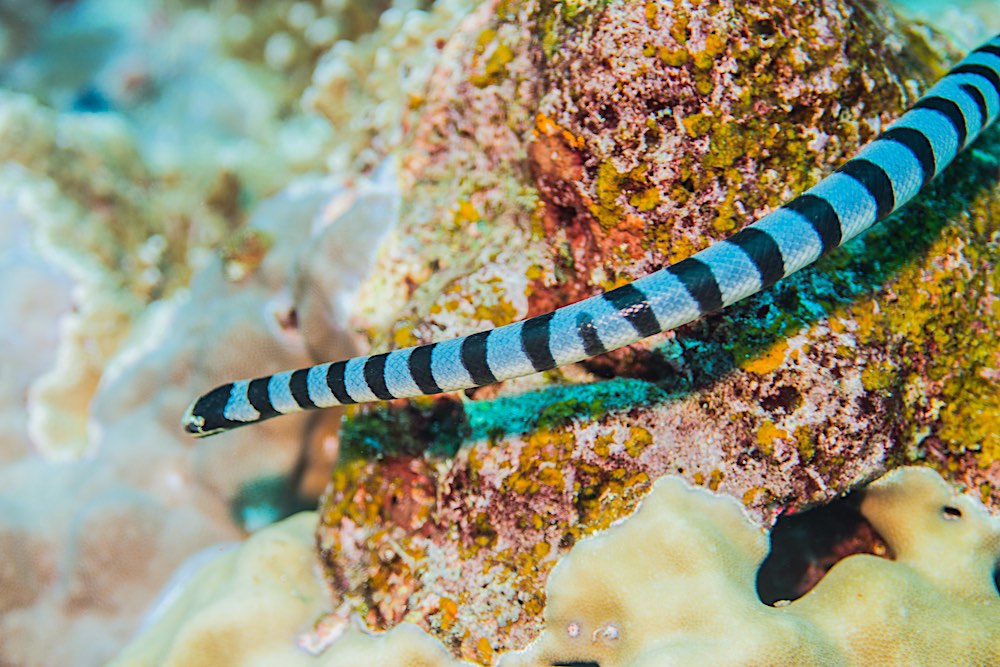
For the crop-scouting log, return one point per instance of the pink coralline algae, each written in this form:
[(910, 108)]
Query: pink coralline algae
[(565, 148)]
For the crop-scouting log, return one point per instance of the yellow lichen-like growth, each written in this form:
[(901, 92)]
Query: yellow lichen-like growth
[(768, 362)]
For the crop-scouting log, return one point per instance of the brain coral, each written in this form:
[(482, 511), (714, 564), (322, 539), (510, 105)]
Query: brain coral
[(564, 148)]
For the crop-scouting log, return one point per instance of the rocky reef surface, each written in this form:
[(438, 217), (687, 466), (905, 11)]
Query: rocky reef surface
[(564, 149), (195, 191)]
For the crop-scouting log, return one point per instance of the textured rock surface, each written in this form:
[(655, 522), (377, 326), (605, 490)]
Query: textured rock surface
[(564, 148)]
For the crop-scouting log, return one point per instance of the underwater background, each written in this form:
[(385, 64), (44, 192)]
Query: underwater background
[(197, 191)]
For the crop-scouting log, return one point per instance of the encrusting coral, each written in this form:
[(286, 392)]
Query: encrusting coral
[(663, 588), (673, 584), (246, 607)]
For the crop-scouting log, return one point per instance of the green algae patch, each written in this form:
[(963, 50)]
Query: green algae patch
[(558, 406), (433, 426), (611, 184)]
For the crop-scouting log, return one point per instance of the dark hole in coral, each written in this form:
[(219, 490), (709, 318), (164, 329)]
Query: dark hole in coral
[(996, 578), (950, 512), (764, 27), (649, 365), (655, 105), (805, 545), (787, 301), (265, 500), (610, 116), (577, 663), (785, 397), (90, 100), (652, 137), (865, 405)]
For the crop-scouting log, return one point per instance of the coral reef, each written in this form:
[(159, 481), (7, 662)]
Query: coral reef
[(174, 214), (649, 591), (245, 607), (142, 487), (570, 147), (35, 339), (673, 584), (371, 89)]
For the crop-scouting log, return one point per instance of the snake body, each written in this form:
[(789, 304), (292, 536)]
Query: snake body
[(884, 175)]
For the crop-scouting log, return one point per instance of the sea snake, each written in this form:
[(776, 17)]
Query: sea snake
[(884, 175)]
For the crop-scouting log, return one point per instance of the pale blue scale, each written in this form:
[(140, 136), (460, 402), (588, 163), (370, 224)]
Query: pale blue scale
[(319, 390), (504, 353), (280, 394), (853, 203), (669, 299), (988, 92), (938, 131), (354, 381), (447, 368), (950, 89), (613, 330), (798, 241), (900, 165), (983, 58), (238, 406), (566, 346), (735, 273), (398, 380)]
